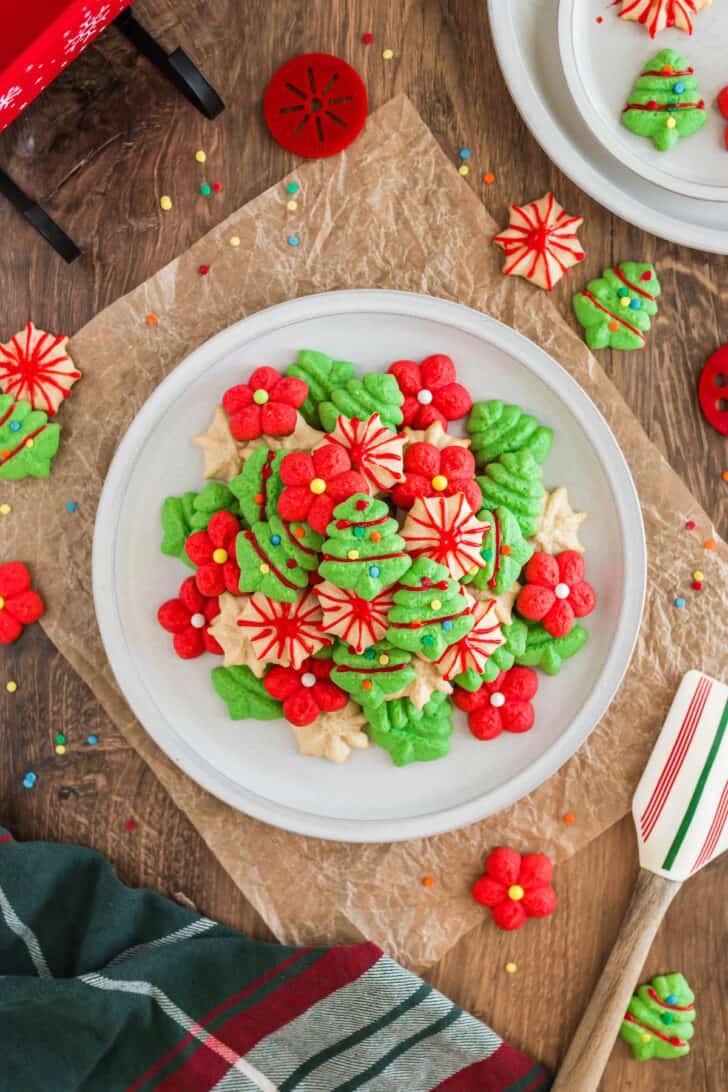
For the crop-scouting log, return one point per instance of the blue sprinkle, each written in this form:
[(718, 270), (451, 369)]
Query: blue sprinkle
[(671, 999), (29, 780), (92, 740), (275, 540), (447, 624), (71, 506), (635, 304), (678, 87), (428, 640), (679, 602), (374, 570), (293, 240), (621, 292), (358, 532), (15, 426), (464, 153)]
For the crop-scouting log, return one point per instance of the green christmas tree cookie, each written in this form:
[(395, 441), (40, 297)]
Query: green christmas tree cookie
[(258, 485), (244, 695), (505, 552), (514, 482), (547, 652), (501, 659), (375, 393), (363, 551), (615, 308), (271, 561), (323, 375), (27, 442), (429, 612), (665, 104), (660, 1017), (409, 734), (374, 675), (496, 428)]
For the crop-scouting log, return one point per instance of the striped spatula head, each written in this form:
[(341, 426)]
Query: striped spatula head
[(680, 807)]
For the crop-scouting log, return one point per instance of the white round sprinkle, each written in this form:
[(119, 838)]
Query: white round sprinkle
[(561, 591), (497, 700), (197, 620), (424, 397), (308, 679)]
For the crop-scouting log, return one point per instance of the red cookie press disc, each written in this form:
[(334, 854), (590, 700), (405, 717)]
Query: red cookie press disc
[(713, 389), (315, 105)]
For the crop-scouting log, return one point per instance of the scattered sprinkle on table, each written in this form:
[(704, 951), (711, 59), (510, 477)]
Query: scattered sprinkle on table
[(464, 153), (200, 156), (600, 19), (569, 818), (60, 748), (697, 575), (71, 506), (697, 585), (165, 202), (11, 686), (60, 738), (428, 881), (5, 509), (489, 178), (29, 780), (205, 189), (724, 475), (203, 270), (292, 187), (152, 319), (367, 38), (465, 169), (92, 740), (130, 825), (293, 240), (292, 206), (387, 54), (217, 187), (690, 525), (234, 240), (511, 968), (679, 602), (709, 544)]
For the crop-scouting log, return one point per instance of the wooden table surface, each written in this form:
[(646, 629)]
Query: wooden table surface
[(96, 149)]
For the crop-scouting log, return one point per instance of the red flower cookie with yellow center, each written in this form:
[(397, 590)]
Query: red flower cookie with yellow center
[(213, 552), (264, 406), (516, 888), (315, 484), (430, 472), (19, 604)]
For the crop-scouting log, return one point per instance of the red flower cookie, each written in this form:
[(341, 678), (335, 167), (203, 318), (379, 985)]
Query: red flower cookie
[(188, 617), (19, 604), (556, 592), (516, 888), (503, 705), (305, 692), (315, 484), (264, 406), (430, 391), (213, 552), (430, 472)]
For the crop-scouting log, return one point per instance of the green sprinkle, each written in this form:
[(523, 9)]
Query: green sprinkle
[(205, 189), (60, 738)]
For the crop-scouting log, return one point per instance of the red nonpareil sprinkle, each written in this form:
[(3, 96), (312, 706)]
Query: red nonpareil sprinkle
[(690, 525), (203, 270), (599, 19), (217, 187), (697, 585), (367, 38), (130, 825)]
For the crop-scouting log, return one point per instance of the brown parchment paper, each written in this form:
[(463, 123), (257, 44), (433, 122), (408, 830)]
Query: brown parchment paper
[(390, 212)]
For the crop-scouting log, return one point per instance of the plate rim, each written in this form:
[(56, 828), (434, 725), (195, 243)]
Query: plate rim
[(567, 156), (624, 153), (607, 450)]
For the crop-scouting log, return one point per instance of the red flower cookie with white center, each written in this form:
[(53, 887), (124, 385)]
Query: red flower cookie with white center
[(375, 451), (305, 692), (503, 705), (188, 617), (19, 604), (283, 633), (556, 593), (264, 406), (447, 530), (35, 368), (359, 622), (315, 484), (516, 888), (540, 242), (476, 647), (430, 471), (431, 391), (213, 552)]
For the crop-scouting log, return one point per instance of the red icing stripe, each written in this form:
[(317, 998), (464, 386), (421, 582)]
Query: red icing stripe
[(21, 445), (265, 473), (419, 625), (276, 572), (7, 415), (654, 996), (652, 106), (632, 287), (342, 524), (665, 75), (378, 557), (611, 314), (496, 566), (671, 1039), (344, 668)]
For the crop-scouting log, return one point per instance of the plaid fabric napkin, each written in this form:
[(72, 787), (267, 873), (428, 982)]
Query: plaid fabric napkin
[(103, 988)]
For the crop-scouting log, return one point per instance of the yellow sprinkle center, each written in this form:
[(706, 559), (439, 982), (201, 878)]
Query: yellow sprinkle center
[(200, 156), (318, 486), (5, 509), (234, 240), (439, 482), (30, 442), (264, 569), (220, 556), (697, 575), (292, 206), (11, 687), (511, 968), (671, 123), (435, 604), (2, 602), (353, 555), (260, 397), (384, 659), (165, 202), (516, 892)]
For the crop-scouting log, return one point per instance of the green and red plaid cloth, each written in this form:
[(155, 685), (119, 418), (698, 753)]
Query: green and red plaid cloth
[(108, 989)]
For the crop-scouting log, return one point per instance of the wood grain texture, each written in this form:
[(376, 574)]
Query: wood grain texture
[(98, 149)]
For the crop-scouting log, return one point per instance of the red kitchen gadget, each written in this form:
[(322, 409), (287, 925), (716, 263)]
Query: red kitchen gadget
[(713, 390), (315, 105)]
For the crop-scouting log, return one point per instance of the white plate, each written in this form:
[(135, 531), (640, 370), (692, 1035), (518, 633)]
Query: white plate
[(255, 765), (526, 40), (601, 62)]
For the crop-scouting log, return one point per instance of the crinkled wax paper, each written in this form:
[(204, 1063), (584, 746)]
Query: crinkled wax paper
[(389, 212)]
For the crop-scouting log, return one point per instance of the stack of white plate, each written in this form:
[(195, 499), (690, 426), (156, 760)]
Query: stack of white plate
[(570, 66)]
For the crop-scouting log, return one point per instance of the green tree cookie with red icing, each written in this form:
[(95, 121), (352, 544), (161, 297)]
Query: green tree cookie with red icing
[(501, 658), (660, 1017), (258, 485), (616, 308), (363, 551), (373, 676), (271, 561), (505, 552), (27, 442), (665, 104), (430, 612)]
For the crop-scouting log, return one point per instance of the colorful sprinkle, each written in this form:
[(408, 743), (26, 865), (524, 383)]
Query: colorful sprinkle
[(697, 585), (11, 686), (367, 38), (60, 738), (697, 575), (709, 544), (679, 602), (489, 178), (292, 187), (203, 270), (71, 506), (374, 570), (15, 426), (200, 156), (366, 685), (359, 532), (234, 240), (165, 202), (724, 475), (428, 881), (5, 509), (293, 240), (690, 525), (464, 153), (152, 319), (292, 206), (217, 187), (387, 54), (205, 189), (511, 968), (376, 536), (569, 818), (29, 780), (130, 825), (60, 748), (465, 169), (92, 740)]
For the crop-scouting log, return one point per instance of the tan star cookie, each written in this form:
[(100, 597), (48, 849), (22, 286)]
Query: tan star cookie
[(333, 735), (221, 453), (427, 681), (559, 527), (231, 638), (303, 438), (436, 435), (503, 602)]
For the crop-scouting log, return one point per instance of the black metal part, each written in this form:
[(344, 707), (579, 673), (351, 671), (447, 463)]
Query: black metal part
[(39, 219), (176, 67)]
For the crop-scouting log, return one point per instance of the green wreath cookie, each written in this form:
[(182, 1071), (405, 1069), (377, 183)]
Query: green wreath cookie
[(547, 652), (361, 398)]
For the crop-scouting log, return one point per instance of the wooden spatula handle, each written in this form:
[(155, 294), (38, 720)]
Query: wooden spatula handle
[(585, 1061)]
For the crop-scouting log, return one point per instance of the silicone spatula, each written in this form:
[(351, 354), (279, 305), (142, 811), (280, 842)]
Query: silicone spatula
[(680, 810)]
